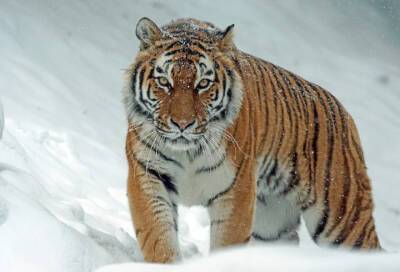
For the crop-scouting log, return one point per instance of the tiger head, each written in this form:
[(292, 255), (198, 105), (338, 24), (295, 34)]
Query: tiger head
[(183, 89)]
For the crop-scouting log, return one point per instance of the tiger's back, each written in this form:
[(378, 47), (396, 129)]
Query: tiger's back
[(257, 145)]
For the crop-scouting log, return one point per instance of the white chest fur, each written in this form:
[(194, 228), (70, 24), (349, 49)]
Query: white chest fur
[(199, 179)]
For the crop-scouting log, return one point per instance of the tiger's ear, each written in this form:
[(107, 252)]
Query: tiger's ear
[(226, 41), (147, 32)]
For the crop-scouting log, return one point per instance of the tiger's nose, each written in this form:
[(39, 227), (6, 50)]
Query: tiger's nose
[(183, 124)]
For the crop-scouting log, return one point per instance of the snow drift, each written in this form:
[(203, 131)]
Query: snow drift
[(276, 259), (62, 167)]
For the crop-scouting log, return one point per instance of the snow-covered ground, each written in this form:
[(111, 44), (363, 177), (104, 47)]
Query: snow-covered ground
[(280, 259), (62, 164)]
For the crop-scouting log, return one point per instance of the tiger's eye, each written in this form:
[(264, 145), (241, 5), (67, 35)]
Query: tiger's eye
[(204, 83), (163, 81)]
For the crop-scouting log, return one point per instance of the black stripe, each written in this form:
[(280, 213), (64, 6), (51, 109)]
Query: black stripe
[(327, 178), (212, 199), (158, 152), (228, 93), (346, 182), (199, 45), (159, 70), (264, 239), (141, 77), (147, 104), (263, 169), (216, 97), (360, 240), (220, 104), (208, 73), (274, 168), (172, 52), (374, 242), (278, 89), (350, 221), (294, 178), (165, 179), (315, 143), (171, 45), (275, 107), (223, 81), (212, 167), (219, 113), (142, 112), (141, 98), (279, 234), (185, 50), (259, 78), (314, 151), (285, 98), (262, 103), (192, 52), (148, 92), (134, 76), (302, 92), (358, 148)]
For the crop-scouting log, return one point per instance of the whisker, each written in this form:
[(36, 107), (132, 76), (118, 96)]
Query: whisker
[(230, 137), (149, 152)]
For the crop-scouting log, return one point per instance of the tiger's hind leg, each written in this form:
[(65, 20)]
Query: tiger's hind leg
[(276, 220), (353, 228)]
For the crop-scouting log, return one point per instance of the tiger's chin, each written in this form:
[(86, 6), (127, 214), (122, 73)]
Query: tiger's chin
[(179, 147), (181, 144)]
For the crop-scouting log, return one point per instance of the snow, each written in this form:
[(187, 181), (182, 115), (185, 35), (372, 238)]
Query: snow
[(274, 259), (62, 164), (1, 120)]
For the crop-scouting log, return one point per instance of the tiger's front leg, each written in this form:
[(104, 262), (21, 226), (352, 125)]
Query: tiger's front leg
[(232, 211), (154, 216)]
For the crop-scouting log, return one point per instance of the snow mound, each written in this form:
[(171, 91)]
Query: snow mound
[(275, 259)]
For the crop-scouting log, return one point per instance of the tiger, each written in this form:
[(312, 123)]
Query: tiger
[(256, 145)]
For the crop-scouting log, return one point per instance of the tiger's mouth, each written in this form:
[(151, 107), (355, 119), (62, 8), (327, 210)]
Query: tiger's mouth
[(181, 143), (180, 140)]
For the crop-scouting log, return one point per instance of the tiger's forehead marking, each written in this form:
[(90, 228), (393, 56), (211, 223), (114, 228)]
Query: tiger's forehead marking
[(184, 73), (201, 66)]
